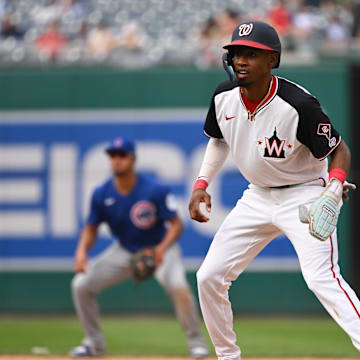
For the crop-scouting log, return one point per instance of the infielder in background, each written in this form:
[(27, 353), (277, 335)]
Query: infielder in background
[(280, 138), (140, 215)]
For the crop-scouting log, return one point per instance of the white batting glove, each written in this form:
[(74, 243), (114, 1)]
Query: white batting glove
[(323, 214)]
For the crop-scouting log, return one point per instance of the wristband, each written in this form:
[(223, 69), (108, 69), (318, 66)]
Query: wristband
[(200, 184), (338, 173)]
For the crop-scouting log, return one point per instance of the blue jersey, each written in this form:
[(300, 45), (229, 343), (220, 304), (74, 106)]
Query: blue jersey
[(138, 219)]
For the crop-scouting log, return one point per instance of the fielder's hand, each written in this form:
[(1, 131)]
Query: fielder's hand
[(158, 255), (143, 264), (324, 212), (81, 261), (199, 196)]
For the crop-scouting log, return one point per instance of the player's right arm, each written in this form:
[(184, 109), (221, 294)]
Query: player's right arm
[(89, 233), (87, 240), (215, 155)]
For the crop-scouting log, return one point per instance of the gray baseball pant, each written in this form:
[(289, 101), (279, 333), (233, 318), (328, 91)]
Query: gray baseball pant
[(112, 267)]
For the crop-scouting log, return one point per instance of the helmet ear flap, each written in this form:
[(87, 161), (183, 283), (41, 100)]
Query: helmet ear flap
[(228, 65)]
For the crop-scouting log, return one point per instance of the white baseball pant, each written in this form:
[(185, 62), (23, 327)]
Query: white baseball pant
[(259, 216)]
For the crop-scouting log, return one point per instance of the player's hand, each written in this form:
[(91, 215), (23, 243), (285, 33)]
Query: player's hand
[(346, 187), (323, 214), (81, 261), (158, 255), (199, 196)]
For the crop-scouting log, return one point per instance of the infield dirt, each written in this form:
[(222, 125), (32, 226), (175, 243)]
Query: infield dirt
[(31, 357)]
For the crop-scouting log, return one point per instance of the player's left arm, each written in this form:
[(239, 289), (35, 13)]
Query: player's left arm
[(317, 133), (340, 159), (174, 230)]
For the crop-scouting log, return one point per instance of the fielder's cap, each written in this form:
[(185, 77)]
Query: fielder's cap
[(256, 34), (120, 145)]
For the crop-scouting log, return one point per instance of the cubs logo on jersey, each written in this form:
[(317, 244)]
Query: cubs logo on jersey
[(143, 214), (273, 147)]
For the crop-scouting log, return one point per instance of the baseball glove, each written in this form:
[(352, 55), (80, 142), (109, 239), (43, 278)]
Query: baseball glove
[(143, 264)]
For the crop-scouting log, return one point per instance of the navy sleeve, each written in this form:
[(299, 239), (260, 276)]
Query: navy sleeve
[(96, 212), (211, 127), (315, 129), (165, 203)]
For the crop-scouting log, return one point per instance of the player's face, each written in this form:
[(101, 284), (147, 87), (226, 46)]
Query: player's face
[(252, 65), (122, 163)]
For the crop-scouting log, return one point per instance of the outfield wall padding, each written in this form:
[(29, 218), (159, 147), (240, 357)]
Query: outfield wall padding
[(112, 88)]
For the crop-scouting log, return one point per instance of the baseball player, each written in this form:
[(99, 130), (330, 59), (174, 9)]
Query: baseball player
[(280, 138), (140, 214)]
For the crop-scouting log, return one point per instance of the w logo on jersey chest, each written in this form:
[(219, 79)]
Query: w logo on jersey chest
[(274, 147)]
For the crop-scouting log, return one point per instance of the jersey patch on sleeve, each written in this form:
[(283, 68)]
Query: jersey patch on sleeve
[(325, 130), (171, 202)]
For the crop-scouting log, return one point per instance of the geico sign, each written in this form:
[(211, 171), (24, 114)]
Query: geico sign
[(49, 188)]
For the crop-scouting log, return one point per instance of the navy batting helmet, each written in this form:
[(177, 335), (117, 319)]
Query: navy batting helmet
[(256, 34)]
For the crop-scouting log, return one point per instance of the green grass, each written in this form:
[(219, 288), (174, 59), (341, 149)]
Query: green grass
[(127, 335)]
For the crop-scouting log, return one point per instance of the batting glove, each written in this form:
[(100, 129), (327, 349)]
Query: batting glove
[(324, 212)]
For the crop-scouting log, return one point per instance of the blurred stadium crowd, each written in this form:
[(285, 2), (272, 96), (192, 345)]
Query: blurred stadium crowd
[(145, 33)]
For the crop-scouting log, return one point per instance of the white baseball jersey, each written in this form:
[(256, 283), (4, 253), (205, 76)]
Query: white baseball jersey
[(282, 142)]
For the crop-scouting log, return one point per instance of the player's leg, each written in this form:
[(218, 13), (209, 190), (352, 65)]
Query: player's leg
[(319, 264), (110, 267), (171, 275), (243, 234)]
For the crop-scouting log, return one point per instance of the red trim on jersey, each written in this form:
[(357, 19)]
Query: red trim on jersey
[(332, 255), (337, 279), (251, 105), (253, 44)]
